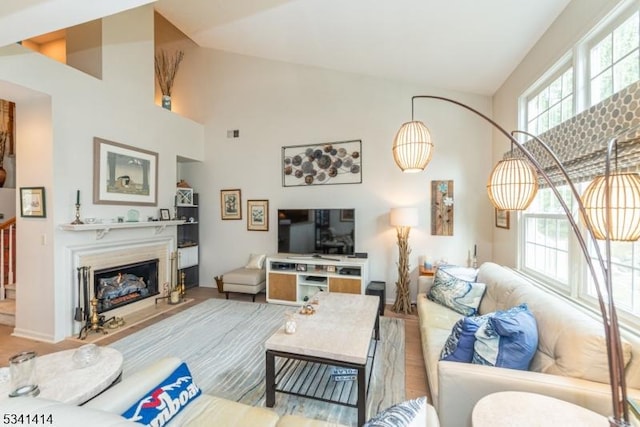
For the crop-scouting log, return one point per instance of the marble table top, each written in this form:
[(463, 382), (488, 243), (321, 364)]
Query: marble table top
[(60, 378), (340, 329), (515, 408)]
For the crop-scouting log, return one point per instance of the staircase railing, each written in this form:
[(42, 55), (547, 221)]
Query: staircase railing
[(7, 255)]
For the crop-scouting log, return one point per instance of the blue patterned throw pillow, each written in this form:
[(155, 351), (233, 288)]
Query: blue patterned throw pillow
[(457, 294), (459, 345), (508, 339), (412, 413)]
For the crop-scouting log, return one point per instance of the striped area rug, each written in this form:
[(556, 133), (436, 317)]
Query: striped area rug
[(222, 341)]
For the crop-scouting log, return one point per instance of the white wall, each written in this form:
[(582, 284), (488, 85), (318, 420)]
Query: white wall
[(571, 26), (275, 104), (58, 112)]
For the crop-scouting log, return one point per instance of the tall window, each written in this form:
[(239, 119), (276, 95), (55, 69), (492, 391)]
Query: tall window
[(546, 237), (614, 61), (549, 250), (552, 105)]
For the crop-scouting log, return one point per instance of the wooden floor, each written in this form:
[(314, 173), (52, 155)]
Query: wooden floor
[(415, 374)]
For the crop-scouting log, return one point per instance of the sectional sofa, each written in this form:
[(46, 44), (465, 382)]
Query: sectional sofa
[(570, 362)]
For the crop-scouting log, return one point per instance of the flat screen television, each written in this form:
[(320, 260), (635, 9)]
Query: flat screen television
[(316, 231)]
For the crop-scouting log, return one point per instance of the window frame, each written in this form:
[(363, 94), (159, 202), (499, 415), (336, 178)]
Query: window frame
[(598, 34), (579, 58)]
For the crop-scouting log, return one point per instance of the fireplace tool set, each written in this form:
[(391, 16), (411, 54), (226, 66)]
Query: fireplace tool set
[(175, 292), (89, 316)]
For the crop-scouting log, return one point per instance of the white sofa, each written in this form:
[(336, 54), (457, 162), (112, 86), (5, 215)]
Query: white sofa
[(570, 362)]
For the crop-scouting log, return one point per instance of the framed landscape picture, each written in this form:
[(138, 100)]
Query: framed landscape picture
[(124, 175), (258, 215), (231, 204)]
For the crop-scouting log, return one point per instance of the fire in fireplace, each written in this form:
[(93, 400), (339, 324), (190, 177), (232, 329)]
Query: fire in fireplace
[(122, 285)]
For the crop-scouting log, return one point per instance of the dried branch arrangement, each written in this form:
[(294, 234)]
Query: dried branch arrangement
[(166, 69)]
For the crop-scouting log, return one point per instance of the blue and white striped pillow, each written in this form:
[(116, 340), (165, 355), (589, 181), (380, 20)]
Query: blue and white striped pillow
[(411, 413)]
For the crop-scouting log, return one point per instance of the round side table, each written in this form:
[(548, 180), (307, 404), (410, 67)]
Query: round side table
[(60, 379), (516, 408)]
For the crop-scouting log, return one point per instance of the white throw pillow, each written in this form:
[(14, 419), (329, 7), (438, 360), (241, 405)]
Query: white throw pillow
[(256, 261)]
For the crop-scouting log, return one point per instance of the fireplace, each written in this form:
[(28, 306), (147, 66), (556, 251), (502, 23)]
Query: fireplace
[(117, 286), (109, 257)]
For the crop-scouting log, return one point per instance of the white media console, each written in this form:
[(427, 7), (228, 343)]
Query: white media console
[(291, 278)]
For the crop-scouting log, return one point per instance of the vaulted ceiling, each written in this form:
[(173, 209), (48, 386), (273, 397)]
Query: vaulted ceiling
[(465, 45)]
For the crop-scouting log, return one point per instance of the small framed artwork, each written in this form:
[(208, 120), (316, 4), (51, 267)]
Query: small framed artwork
[(32, 203), (502, 218), (331, 268), (347, 215), (231, 204), (258, 215), (164, 215)]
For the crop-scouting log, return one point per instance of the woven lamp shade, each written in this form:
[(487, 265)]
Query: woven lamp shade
[(412, 147), (512, 185), (624, 189)]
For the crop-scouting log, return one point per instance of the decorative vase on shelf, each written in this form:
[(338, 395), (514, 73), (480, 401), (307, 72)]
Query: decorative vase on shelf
[(166, 102)]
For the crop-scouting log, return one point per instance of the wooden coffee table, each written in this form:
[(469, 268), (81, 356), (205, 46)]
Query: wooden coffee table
[(337, 335)]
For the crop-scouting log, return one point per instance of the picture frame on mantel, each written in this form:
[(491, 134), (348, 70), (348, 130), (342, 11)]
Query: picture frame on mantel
[(32, 202), (124, 175)]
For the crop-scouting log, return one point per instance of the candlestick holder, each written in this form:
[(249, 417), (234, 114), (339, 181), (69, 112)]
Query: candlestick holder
[(77, 220)]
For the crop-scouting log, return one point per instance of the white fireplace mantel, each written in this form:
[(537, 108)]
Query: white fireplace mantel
[(102, 229)]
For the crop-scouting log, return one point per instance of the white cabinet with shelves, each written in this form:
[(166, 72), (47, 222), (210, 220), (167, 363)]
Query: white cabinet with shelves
[(291, 278)]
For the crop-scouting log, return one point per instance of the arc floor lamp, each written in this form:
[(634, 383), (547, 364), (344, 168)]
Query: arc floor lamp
[(610, 208)]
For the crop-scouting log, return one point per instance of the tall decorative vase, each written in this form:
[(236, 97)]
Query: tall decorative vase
[(166, 102), (3, 176)]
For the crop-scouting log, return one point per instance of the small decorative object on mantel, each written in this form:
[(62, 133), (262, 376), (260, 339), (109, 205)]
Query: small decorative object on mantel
[(77, 220), (166, 66), (183, 184)]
